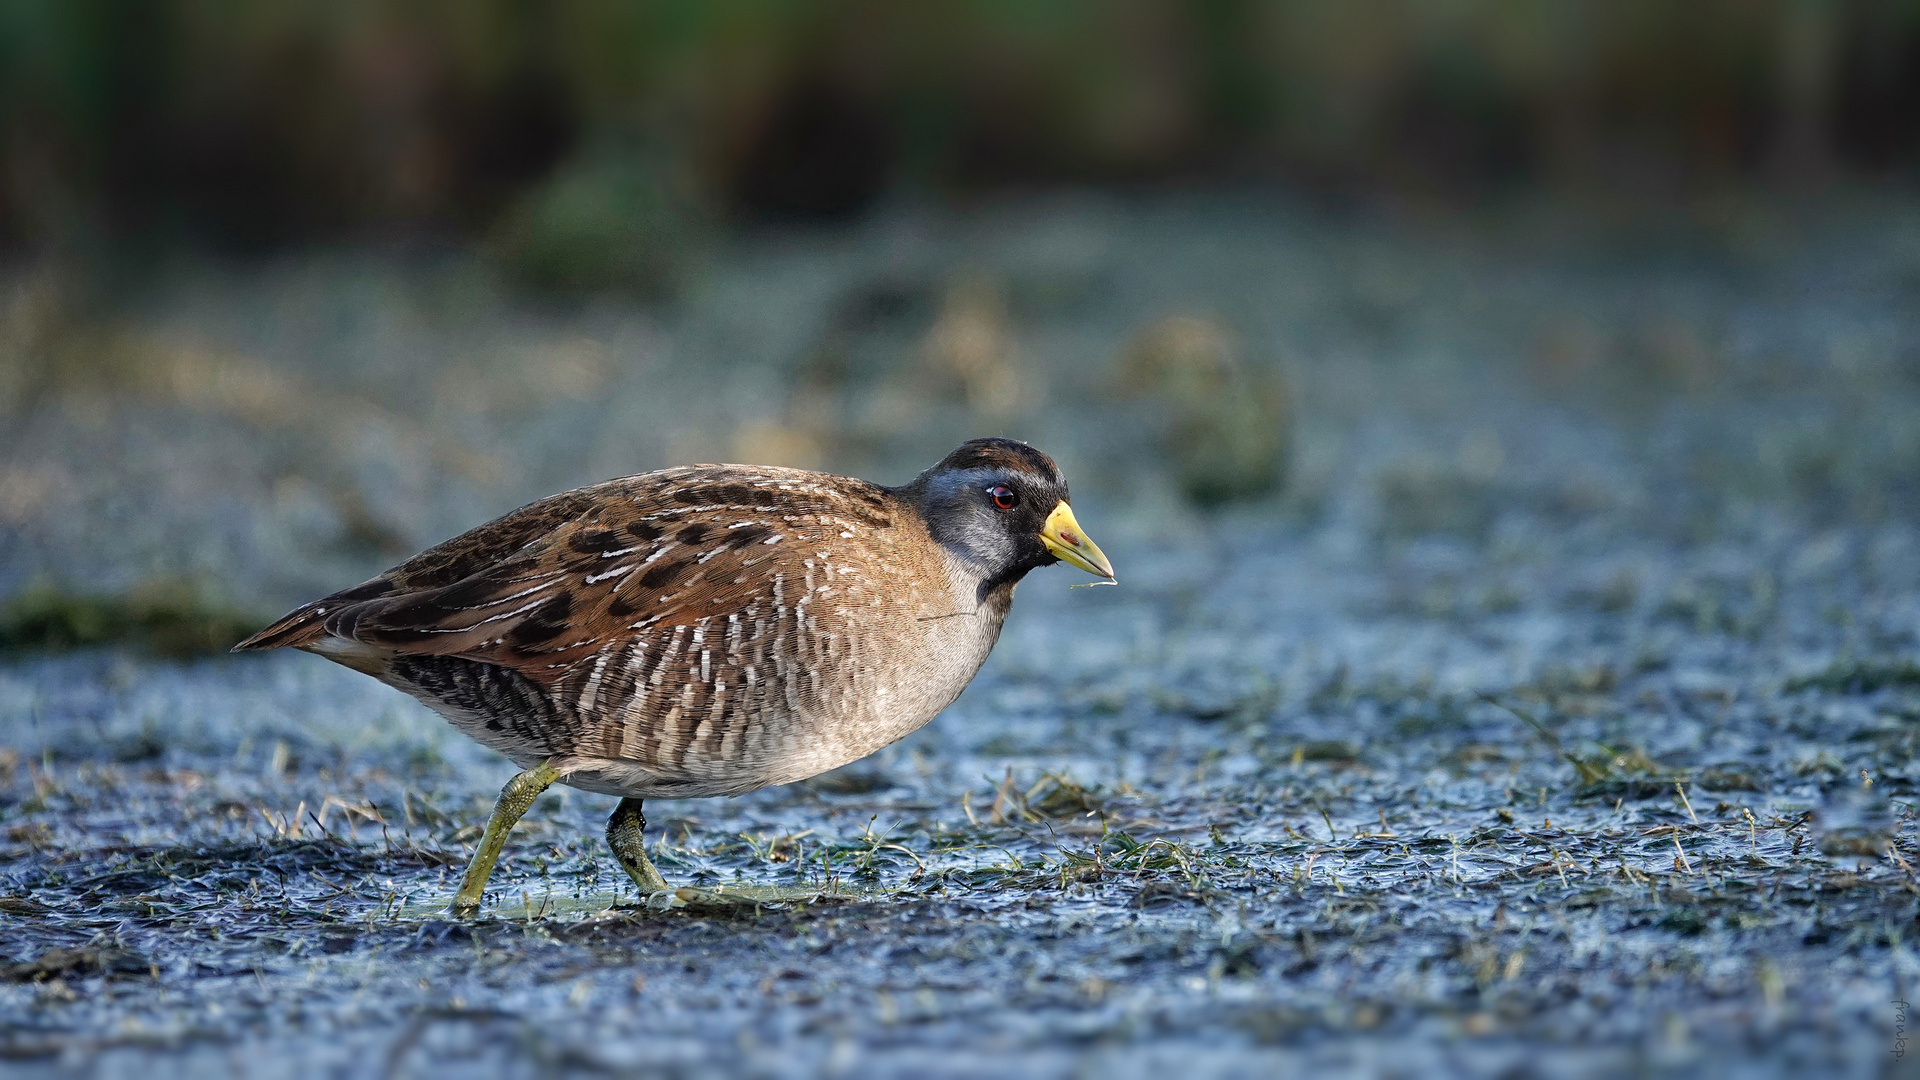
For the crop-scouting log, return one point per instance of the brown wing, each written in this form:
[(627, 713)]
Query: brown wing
[(562, 579)]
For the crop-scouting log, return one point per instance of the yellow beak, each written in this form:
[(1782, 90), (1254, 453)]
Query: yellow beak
[(1062, 536)]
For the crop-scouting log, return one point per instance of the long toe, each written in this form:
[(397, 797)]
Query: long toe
[(626, 835)]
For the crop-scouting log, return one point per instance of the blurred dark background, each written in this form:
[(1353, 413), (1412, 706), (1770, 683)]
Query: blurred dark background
[(293, 289), (250, 125)]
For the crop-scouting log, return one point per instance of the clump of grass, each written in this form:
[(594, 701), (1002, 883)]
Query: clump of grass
[(1602, 769), (609, 219), (1057, 796), (1054, 797), (1858, 677), (87, 960), (1226, 423), (1333, 750), (1121, 855), (166, 617)]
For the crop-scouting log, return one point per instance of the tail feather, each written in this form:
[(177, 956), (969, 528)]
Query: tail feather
[(302, 626), (306, 624)]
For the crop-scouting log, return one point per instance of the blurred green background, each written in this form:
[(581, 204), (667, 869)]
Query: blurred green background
[(293, 289), (247, 125)]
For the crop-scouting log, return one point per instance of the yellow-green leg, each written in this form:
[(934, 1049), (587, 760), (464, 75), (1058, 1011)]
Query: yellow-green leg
[(625, 831), (515, 799)]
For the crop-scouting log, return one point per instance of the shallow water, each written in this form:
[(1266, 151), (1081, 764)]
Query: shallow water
[(1556, 720)]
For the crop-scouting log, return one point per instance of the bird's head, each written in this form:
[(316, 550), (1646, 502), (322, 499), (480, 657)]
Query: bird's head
[(1001, 508)]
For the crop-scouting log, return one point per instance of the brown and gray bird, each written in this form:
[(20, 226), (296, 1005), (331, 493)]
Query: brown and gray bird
[(707, 630)]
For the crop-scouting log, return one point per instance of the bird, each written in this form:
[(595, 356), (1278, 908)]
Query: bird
[(705, 630)]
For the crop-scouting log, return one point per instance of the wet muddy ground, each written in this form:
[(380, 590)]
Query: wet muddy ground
[(1555, 718)]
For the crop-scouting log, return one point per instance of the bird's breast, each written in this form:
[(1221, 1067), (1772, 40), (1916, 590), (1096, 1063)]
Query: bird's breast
[(831, 661), (906, 660)]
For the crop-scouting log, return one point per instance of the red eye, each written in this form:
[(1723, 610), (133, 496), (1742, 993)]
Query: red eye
[(1003, 496)]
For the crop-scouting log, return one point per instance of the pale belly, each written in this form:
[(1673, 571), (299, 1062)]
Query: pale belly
[(870, 708)]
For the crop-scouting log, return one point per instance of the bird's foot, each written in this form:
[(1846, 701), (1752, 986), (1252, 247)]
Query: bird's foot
[(515, 799), (626, 831)]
